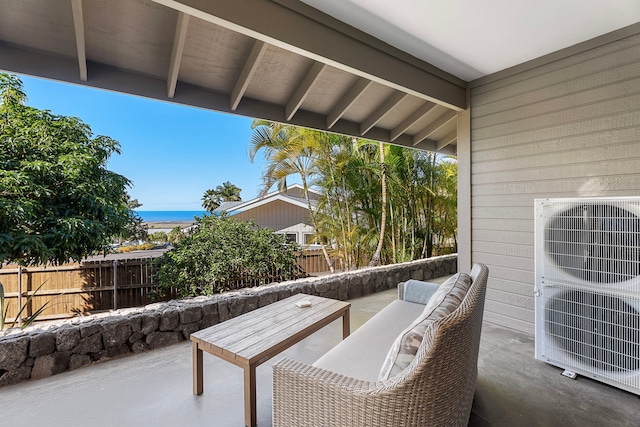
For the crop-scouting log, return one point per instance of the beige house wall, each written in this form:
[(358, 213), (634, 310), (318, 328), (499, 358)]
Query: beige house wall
[(569, 127), (280, 217)]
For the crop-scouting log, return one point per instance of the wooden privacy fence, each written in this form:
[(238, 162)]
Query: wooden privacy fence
[(100, 285), (75, 289), (312, 261)]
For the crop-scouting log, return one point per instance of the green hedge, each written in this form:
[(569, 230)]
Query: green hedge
[(221, 253)]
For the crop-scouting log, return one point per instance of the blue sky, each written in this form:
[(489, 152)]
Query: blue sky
[(171, 153)]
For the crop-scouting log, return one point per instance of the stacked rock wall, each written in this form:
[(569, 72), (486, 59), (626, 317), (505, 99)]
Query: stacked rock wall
[(47, 349)]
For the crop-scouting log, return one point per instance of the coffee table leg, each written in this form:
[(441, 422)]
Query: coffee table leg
[(346, 324), (198, 383), (250, 418)]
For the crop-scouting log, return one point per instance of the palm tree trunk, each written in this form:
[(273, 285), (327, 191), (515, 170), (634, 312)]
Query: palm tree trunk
[(394, 258), (339, 208), (375, 259), (315, 223)]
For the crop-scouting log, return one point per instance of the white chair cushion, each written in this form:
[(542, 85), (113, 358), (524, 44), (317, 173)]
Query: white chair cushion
[(443, 302), (362, 353)]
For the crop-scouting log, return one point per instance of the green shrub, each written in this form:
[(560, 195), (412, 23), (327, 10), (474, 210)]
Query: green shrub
[(158, 236), (221, 253), (142, 247)]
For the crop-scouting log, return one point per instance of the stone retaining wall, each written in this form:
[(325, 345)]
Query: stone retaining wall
[(50, 348)]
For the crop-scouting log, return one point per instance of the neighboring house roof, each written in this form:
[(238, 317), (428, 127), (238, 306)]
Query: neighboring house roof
[(227, 206), (301, 200), (296, 189), (270, 198)]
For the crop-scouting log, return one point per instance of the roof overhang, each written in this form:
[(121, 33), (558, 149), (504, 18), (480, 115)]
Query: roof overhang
[(277, 60), (254, 203)]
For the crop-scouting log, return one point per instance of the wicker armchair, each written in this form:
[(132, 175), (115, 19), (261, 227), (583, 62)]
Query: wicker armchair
[(436, 389)]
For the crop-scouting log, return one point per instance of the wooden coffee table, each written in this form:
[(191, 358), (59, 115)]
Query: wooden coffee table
[(255, 337)]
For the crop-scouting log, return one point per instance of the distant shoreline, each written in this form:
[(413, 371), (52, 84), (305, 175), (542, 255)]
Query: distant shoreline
[(169, 216), (164, 225)]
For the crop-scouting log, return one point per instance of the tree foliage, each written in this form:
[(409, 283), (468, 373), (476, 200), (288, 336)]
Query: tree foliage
[(227, 192), (378, 202), (135, 228), (175, 235), (220, 251), (421, 211), (158, 237), (57, 199), (288, 150)]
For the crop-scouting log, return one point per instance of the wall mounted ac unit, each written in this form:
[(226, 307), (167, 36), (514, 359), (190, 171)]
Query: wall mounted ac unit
[(587, 290)]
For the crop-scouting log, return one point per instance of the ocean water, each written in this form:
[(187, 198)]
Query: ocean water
[(169, 216)]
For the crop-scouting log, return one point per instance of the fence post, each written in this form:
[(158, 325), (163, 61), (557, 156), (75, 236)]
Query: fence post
[(115, 284), (19, 295)]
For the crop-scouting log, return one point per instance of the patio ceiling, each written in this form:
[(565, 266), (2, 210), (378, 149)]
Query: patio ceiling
[(277, 60), (357, 67), (472, 39)]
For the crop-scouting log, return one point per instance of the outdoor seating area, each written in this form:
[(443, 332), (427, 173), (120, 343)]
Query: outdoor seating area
[(155, 388), (414, 363), (411, 142)]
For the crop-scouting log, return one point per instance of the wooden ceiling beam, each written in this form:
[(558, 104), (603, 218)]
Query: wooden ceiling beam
[(434, 126), (176, 53), (65, 69), (343, 105), (448, 139), (78, 26), (303, 89), (250, 67), (308, 32), (382, 111), (425, 109), (429, 145)]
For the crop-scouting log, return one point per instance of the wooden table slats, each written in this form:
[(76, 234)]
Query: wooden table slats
[(247, 322), (244, 330)]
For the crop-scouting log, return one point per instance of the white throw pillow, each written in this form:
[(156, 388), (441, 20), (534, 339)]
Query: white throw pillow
[(443, 302)]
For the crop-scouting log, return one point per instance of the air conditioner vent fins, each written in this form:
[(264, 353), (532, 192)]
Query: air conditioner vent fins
[(587, 290), (596, 330), (596, 243)]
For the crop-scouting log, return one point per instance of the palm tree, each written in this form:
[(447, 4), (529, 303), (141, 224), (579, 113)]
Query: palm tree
[(378, 203), (288, 150), (211, 200), (334, 210), (445, 204), (175, 235), (227, 192), (375, 259), (350, 207), (397, 204)]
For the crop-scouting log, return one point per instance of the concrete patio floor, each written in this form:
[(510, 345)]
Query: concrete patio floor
[(155, 389)]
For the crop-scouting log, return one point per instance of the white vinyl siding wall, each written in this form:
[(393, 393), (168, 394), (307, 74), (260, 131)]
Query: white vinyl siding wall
[(568, 128)]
